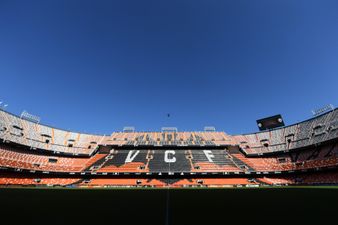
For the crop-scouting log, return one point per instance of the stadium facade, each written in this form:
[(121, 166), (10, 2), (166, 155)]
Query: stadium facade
[(33, 154)]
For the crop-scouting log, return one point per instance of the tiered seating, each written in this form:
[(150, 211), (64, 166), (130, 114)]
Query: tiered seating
[(125, 161), (318, 178), (316, 130), (218, 161), (313, 131), (309, 145), (266, 164), (277, 180), (95, 162), (12, 158), (176, 161), (170, 138), (37, 136), (326, 156), (156, 162), (11, 179)]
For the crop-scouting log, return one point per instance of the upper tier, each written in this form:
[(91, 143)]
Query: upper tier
[(314, 131), (37, 136)]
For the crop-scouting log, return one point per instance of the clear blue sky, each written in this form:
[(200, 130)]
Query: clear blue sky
[(96, 66)]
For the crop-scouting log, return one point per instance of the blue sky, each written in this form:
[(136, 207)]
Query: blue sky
[(97, 66)]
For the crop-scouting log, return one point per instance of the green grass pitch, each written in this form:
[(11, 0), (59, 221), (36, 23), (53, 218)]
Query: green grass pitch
[(291, 205)]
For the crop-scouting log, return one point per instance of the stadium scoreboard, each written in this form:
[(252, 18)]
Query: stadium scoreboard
[(270, 122)]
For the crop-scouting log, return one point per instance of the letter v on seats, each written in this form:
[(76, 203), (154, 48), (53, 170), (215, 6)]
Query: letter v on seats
[(131, 156)]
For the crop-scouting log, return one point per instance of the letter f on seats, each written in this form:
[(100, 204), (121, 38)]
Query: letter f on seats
[(209, 155)]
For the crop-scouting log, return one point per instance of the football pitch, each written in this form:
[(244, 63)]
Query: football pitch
[(299, 205)]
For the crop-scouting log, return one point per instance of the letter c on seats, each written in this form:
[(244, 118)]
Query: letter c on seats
[(169, 156)]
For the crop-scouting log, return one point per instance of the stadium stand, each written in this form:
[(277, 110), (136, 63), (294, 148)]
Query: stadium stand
[(36, 154)]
